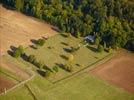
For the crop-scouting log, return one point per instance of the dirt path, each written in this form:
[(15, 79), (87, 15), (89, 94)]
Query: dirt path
[(18, 29), (118, 71)]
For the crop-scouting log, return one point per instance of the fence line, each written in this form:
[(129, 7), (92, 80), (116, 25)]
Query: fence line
[(21, 83)]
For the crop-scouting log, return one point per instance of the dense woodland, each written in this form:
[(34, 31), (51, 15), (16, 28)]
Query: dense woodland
[(111, 20)]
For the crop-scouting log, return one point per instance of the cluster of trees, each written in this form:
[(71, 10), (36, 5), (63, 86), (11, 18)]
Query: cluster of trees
[(45, 70), (112, 20)]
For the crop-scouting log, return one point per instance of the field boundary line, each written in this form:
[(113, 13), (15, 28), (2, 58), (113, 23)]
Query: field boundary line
[(21, 83), (107, 57), (32, 94)]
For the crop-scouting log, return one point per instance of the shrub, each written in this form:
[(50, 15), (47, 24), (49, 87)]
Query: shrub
[(71, 57), (100, 48), (55, 68), (17, 53), (68, 67), (40, 64), (109, 49), (31, 59), (47, 73), (40, 42), (21, 49)]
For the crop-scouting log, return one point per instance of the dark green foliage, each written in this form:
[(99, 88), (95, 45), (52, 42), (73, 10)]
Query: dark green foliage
[(31, 58), (113, 20), (55, 68), (100, 48), (68, 67), (130, 45), (40, 42), (18, 52)]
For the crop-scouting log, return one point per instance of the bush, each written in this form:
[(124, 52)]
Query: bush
[(110, 50), (40, 64), (68, 67), (17, 53), (71, 57), (40, 42), (47, 73), (21, 49), (31, 59), (55, 68), (100, 48)]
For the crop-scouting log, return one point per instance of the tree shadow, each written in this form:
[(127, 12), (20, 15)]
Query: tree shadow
[(60, 65), (33, 46), (33, 41), (64, 35), (64, 43), (67, 50), (8, 7), (64, 57), (12, 50), (24, 57), (92, 48), (42, 73)]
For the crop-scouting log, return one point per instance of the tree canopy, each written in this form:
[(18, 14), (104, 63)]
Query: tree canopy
[(112, 20)]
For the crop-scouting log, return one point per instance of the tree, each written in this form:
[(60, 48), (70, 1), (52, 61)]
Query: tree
[(100, 48), (17, 53), (31, 58), (78, 34), (40, 42), (19, 5), (55, 68), (71, 58), (97, 41)]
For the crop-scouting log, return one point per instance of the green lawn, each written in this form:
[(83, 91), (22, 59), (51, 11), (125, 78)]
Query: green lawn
[(80, 87), (56, 47), (20, 93)]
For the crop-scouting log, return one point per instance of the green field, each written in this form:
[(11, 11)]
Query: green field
[(80, 87), (64, 85), (55, 50)]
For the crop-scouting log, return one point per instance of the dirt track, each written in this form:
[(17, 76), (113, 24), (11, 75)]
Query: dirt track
[(18, 29), (118, 71)]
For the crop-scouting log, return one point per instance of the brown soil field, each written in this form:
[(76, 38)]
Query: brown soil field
[(118, 71), (18, 29), (14, 68), (5, 83)]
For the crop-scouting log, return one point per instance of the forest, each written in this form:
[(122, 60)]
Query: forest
[(112, 21)]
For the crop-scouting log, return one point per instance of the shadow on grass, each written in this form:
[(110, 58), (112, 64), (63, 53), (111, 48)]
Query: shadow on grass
[(67, 50), (42, 73), (64, 35), (33, 46), (25, 57), (64, 43), (60, 65), (64, 57), (92, 48)]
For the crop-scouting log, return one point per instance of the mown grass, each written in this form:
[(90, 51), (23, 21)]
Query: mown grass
[(55, 50), (81, 87), (20, 93)]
